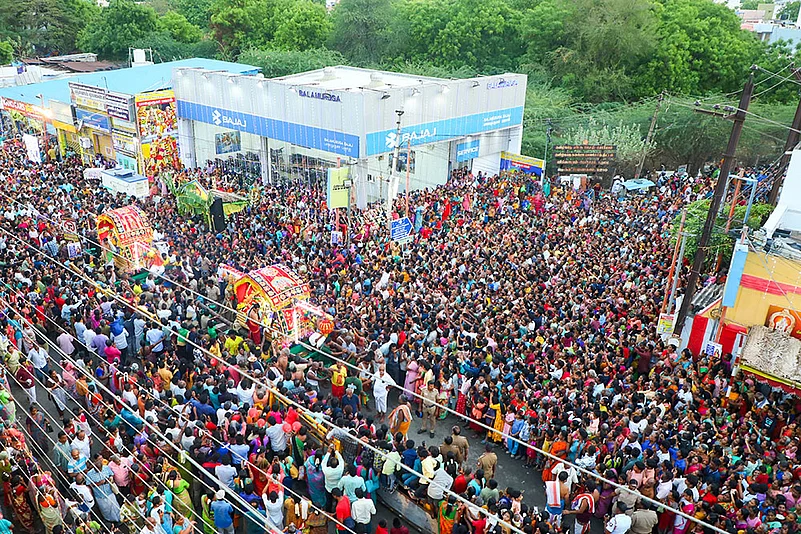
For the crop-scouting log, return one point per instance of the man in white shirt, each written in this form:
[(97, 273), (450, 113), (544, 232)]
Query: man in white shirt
[(620, 523), (139, 330), (441, 483), (382, 383), (82, 443), (155, 337), (362, 511), (38, 357), (88, 337)]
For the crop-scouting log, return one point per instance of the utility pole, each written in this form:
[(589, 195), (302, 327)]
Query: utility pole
[(675, 262), (393, 171), (650, 135), (548, 131), (789, 146), (738, 117)]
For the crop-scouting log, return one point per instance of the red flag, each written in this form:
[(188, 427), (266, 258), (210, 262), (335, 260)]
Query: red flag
[(447, 211)]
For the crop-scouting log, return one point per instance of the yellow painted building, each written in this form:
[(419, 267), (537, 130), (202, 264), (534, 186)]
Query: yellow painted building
[(768, 280)]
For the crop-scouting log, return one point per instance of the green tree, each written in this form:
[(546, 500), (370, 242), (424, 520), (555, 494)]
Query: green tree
[(166, 48), (607, 41), (6, 52), (42, 27), (241, 24), (275, 63), (789, 11), (627, 139), (545, 29), (478, 34), (198, 12), (749, 4), (720, 242), (362, 30), (119, 25), (179, 28), (700, 48), (301, 25)]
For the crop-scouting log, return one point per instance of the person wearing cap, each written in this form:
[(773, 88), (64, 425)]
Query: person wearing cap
[(629, 496), (461, 443), (430, 396), (223, 514), (644, 518), (620, 523)]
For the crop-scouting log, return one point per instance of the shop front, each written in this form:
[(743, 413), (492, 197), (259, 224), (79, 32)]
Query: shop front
[(297, 127)]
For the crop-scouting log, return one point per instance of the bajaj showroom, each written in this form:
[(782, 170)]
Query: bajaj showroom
[(298, 126)]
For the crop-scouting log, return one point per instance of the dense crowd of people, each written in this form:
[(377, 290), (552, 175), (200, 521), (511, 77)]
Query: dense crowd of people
[(527, 313)]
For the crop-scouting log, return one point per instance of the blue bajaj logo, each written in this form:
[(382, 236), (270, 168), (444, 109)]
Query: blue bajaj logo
[(226, 120)]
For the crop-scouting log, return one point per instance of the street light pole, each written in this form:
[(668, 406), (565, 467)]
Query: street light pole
[(548, 131), (393, 173)]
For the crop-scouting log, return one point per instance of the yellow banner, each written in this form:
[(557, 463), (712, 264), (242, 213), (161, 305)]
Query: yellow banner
[(338, 192)]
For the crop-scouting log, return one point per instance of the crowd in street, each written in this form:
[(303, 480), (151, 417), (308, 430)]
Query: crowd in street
[(526, 312)]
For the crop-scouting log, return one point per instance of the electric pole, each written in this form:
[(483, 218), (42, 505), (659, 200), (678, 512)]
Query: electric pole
[(548, 131), (650, 135), (393, 171), (789, 146), (738, 117)]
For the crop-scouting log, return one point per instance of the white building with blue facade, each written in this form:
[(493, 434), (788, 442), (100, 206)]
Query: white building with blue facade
[(307, 122)]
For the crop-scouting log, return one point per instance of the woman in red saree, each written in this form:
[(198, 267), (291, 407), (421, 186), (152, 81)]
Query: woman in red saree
[(19, 503)]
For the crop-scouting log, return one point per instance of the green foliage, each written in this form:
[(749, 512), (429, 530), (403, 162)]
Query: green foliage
[(240, 24), (276, 63), (626, 137), (720, 242), (789, 11), (480, 34), (179, 28), (166, 48), (119, 25), (6, 52), (43, 27), (302, 25), (362, 30), (197, 12), (285, 24), (749, 4), (607, 40), (700, 48)]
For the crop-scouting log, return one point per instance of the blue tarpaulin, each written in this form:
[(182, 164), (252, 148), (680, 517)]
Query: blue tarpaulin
[(637, 184)]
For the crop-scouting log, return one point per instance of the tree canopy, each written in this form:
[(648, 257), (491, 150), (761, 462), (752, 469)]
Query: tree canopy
[(118, 26)]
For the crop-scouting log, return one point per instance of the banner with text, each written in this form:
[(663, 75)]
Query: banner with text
[(517, 162)]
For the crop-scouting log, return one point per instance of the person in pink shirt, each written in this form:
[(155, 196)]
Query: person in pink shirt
[(121, 467), (113, 354)]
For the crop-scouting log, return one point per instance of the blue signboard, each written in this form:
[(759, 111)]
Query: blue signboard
[(93, 120), (467, 151), (431, 132), (401, 228), (297, 134)]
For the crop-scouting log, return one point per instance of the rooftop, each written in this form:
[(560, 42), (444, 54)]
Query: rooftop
[(343, 78), (127, 81)]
